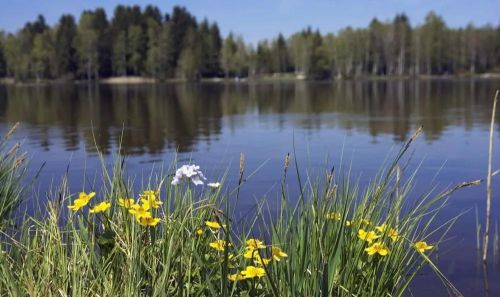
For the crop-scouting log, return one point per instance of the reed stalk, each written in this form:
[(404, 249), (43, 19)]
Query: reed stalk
[(488, 181)]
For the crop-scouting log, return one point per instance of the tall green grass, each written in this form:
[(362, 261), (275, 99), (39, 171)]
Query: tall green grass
[(66, 253), (12, 172)]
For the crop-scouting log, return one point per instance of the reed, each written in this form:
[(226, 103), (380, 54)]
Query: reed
[(12, 172), (488, 181)]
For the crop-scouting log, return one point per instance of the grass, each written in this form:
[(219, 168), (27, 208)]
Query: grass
[(12, 172), (116, 253)]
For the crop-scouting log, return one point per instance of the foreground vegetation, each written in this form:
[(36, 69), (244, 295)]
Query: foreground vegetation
[(173, 239), (146, 42)]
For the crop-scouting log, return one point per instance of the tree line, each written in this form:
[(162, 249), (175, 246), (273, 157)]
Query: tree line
[(145, 42)]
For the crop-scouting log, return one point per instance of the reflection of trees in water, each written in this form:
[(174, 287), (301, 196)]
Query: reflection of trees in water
[(155, 117)]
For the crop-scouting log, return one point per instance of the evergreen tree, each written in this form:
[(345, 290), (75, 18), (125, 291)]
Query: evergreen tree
[(40, 55), (104, 43), (3, 63), (214, 49), (143, 42), (167, 52), (180, 21), (228, 52), (434, 44), (153, 60), (402, 43), (135, 42), (280, 56), (120, 54), (65, 53), (263, 58), (87, 45), (190, 59)]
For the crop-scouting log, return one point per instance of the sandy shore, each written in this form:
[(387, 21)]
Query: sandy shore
[(127, 80)]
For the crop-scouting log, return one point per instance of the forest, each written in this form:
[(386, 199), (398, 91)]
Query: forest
[(147, 43)]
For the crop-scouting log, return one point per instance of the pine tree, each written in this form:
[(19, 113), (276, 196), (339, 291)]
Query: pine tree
[(87, 45), (65, 52)]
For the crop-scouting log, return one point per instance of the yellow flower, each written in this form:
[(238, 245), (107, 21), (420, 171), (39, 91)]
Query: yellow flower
[(367, 236), (103, 206), (261, 261), (148, 221), (250, 253), (254, 244), (422, 246), (365, 222), (230, 259), (149, 197), (393, 234), (151, 202), (348, 223), (83, 195), (235, 277), (140, 210), (77, 204), (127, 203), (252, 271), (333, 216), (82, 200), (219, 245), (214, 225), (377, 248), (381, 228), (277, 253), (199, 232)]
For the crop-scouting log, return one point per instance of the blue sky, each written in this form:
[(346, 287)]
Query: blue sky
[(258, 19)]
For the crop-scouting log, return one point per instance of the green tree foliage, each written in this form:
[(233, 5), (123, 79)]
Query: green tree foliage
[(135, 42), (234, 56), (153, 60), (120, 54), (191, 55), (101, 26), (280, 56), (40, 55), (434, 39), (3, 62), (87, 45), (180, 21), (145, 42), (66, 62), (211, 44), (167, 52), (263, 58)]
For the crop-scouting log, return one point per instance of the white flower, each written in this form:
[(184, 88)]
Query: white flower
[(214, 185), (191, 172)]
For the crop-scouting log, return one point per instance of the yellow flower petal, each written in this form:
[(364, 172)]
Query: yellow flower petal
[(148, 221), (126, 203), (219, 245), (254, 244), (252, 271), (379, 248), (213, 224), (367, 236), (422, 246), (101, 207), (235, 277)]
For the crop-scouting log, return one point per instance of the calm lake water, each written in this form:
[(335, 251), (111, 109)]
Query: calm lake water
[(356, 124)]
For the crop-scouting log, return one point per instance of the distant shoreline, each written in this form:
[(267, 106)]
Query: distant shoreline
[(131, 80)]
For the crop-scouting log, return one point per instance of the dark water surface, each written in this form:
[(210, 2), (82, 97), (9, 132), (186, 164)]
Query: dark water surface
[(360, 123)]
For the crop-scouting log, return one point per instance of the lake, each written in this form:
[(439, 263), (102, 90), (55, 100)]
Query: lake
[(350, 124)]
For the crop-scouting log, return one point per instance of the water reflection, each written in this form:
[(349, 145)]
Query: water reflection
[(213, 122), (155, 118)]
